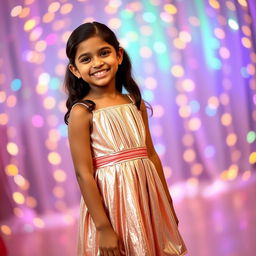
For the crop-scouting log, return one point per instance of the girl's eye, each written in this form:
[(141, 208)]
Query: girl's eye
[(105, 53), (85, 59)]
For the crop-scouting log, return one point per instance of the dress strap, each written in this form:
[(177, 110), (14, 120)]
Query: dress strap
[(129, 96), (90, 105)]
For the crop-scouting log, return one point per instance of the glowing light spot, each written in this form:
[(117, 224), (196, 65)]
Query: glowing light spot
[(179, 44), (232, 172), (177, 71), (194, 106), (132, 36), (146, 30), (59, 175), (11, 170), (252, 158), (166, 17), (38, 222), (18, 197), (21, 182), (189, 155), (192, 182), (185, 36), (226, 119), (44, 78), (150, 83), (233, 24), (31, 202), (6, 230), (181, 99), (224, 52), (149, 17), (35, 34), (145, 52), (41, 88), (49, 102), (148, 95), (114, 23), (219, 33), (197, 169), (54, 158), (246, 42), (4, 119), (16, 84), (188, 140), (24, 13), (30, 24), (110, 9), (16, 10), (231, 139), (12, 148), (188, 85), (194, 21), (184, 111), (159, 47), (246, 175), (224, 98), (11, 101), (251, 136), (66, 8), (54, 135), (170, 8), (215, 4), (194, 124), (51, 39), (158, 111), (37, 121), (54, 7), (126, 14), (58, 192), (2, 96), (40, 46), (251, 69), (48, 17), (230, 5), (243, 3)]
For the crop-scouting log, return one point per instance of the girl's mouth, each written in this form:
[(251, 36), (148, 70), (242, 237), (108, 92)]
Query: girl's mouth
[(100, 73)]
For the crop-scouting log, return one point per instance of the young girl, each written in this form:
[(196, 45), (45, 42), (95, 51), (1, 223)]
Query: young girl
[(126, 208)]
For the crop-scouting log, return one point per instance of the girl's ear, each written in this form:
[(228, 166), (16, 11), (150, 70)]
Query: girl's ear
[(120, 55), (74, 70)]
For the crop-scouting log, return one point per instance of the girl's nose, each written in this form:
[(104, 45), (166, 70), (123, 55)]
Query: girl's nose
[(97, 62)]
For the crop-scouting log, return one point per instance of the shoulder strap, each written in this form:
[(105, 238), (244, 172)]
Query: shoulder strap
[(89, 104), (129, 96)]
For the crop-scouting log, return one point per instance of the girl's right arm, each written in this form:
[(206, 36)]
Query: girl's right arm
[(79, 141)]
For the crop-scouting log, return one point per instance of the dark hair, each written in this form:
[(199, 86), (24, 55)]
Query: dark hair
[(76, 88)]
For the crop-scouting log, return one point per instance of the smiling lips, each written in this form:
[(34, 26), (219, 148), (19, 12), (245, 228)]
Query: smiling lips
[(100, 73)]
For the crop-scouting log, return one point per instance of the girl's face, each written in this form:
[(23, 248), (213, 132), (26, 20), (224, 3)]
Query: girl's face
[(96, 62)]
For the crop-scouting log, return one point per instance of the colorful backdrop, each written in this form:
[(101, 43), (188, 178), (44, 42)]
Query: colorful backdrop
[(194, 62)]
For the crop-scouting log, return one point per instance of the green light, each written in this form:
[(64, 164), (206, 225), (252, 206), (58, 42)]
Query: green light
[(251, 137)]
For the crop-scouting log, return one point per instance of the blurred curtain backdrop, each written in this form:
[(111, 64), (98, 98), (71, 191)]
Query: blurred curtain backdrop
[(195, 64)]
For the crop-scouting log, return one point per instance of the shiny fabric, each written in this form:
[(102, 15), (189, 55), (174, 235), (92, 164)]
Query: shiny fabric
[(132, 192)]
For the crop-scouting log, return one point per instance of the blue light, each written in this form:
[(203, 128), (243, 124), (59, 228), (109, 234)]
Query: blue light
[(216, 63), (209, 151), (16, 84), (54, 83), (210, 111), (149, 17), (244, 72), (63, 130), (147, 95), (194, 105)]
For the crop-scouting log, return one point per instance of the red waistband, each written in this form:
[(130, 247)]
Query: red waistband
[(120, 156)]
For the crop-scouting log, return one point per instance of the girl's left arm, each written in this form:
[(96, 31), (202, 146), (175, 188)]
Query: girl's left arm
[(153, 156)]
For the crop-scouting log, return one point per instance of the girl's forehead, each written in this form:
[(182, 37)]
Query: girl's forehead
[(92, 44)]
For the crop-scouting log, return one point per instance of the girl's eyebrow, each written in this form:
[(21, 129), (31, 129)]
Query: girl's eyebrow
[(87, 53)]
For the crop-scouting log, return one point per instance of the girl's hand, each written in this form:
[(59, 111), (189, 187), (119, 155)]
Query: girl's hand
[(108, 242)]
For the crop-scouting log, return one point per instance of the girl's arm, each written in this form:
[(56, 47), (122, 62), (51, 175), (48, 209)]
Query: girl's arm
[(79, 141), (153, 156)]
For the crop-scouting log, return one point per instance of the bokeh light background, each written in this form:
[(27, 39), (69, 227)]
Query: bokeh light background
[(195, 64)]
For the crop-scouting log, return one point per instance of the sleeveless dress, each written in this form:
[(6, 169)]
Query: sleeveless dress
[(132, 193)]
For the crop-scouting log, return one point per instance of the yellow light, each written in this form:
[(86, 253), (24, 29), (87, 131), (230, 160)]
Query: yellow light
[(226, 119), (246, 42), (49, 102), (231, 139), (48, 17), (12, 148), (189, 155), (197, 169), (243, 3), (40, 46), (232, 172), (54, 7), (215, 4), (11, 170), (30, 24), (194, 124), (38, 222), (18, 198), (54, 158), (31, 202), (59, 175), (24, 13), (179, 44), (41, 88), (177, 71), (185, 111), (66, 8), (181, 99), (252, 158), (170, 8)]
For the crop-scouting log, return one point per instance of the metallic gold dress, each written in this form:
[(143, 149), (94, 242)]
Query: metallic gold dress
[(132, 192)]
